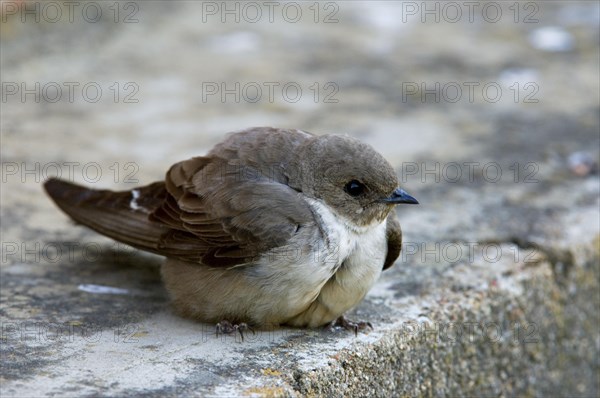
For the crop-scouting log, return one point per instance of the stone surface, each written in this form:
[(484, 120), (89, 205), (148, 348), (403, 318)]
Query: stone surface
[(496, 292)]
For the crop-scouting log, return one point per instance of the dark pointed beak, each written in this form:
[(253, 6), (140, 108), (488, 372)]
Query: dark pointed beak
[(400, 196)]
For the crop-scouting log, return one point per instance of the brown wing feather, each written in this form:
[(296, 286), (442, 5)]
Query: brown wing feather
[(111, 213), (233, 220), (203, 212), (394, 239)]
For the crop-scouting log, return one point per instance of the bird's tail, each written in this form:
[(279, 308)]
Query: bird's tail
[(123, 216)]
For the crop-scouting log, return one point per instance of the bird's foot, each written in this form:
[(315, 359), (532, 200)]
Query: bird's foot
[(226, 327), (349, 325)]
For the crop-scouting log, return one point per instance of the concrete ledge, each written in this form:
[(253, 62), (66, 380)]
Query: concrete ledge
[(507, 328), (488, 342)]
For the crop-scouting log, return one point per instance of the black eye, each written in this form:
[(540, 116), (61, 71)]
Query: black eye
[(354, 188)]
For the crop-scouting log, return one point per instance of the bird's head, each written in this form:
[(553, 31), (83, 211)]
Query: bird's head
[(353, 179)]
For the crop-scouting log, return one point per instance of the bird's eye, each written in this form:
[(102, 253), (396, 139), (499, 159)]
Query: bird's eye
[(354, 188)]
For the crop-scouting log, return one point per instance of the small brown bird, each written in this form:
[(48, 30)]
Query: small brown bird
[(272, 227)]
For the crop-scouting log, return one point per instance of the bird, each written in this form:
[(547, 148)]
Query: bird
[(272, 227)]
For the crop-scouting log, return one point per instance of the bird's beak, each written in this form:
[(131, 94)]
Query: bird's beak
[(400, 196)]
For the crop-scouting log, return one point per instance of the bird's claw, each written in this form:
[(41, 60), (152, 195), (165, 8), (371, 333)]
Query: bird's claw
[(349, 325), (226, 327)]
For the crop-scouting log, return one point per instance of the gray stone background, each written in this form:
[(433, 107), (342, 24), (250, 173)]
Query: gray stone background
[(489, 111)]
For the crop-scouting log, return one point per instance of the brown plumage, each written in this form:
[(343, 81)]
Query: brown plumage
[(228, 221)]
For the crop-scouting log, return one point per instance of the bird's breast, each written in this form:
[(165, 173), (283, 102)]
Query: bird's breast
[(358, 272), (354, 259)]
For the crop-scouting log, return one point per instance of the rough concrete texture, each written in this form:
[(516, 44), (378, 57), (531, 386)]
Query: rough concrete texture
[(496, 292)]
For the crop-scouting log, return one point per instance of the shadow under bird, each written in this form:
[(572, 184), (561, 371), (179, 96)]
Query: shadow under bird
[(271, 227)]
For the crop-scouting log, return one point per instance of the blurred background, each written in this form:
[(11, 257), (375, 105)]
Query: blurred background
[(502, 94), (488, 110), (156, 81)]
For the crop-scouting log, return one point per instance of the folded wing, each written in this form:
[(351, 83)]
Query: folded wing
[(195, 215)]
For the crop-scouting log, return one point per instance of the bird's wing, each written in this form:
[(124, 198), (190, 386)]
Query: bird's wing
[(205, 212), (223, 218), (394, 240)]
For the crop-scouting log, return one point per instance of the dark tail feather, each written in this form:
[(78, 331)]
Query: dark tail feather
[(122, 216)]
